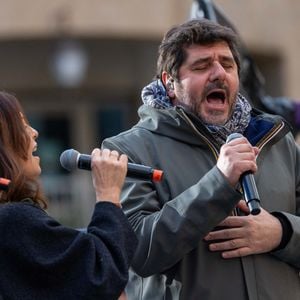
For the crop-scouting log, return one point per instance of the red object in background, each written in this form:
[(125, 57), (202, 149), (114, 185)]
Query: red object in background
[(4, 184)]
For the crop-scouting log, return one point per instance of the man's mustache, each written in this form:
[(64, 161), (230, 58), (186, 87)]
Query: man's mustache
[(216, 85)]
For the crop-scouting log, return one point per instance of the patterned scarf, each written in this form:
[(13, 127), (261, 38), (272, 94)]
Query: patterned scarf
[(155, 95)]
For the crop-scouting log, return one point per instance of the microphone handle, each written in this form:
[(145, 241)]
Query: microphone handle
[(248, 184), (250, 193), (84, 162), (140, 171), (133, 170)]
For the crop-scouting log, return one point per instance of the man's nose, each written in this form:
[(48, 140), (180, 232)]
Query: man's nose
[(217, 72)]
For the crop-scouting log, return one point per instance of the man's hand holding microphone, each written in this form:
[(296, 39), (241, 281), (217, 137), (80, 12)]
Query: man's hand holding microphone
[(255, 233)]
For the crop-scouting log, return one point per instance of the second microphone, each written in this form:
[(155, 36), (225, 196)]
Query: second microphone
[(71, 159)]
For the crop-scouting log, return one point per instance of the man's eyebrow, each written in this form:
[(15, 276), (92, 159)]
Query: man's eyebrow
[(227, 58), (203, 60)]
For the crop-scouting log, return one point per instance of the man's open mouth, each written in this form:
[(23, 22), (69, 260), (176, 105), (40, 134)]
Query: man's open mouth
[(216, 96)]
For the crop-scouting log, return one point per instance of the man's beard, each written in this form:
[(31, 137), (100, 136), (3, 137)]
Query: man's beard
[(193, 104)]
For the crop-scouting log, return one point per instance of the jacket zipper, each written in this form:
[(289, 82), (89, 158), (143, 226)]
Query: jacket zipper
[(210, 145), (274, 131)]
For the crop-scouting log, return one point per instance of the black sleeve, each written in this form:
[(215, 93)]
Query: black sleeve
[(286, 230), (58, 262)]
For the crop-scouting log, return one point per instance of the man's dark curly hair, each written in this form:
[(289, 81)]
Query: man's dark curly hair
[(172, 54)]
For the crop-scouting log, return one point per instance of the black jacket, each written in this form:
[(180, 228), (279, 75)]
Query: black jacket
[(41, 259)]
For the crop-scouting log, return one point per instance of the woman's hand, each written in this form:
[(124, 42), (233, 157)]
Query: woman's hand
[(108, 173)]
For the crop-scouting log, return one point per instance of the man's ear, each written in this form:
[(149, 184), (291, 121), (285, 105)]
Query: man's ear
[(168, 82)]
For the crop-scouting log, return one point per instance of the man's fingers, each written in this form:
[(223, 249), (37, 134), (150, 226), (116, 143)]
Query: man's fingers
[(242, 205), (227, 245), (224, 234), (240, 252)]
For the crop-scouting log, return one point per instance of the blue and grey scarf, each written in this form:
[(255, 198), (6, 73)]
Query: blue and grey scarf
[(155, 95)]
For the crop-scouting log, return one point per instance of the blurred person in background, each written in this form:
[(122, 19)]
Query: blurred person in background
[(39, 257), (197, 239)]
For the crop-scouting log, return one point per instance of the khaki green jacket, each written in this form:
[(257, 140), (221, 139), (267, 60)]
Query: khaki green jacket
[(170, 218)]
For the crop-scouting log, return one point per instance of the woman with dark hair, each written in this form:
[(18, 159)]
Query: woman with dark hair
[(39, 257)]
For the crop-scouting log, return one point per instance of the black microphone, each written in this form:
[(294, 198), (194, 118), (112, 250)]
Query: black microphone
[(71, 159), (248, 184)]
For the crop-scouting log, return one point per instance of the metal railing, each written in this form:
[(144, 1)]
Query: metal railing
[(71, 197)]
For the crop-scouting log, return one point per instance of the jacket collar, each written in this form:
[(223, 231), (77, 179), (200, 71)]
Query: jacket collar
[(179, 124)]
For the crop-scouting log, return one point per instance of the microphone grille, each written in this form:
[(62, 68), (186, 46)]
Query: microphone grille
[(68, 159), (233, 136)]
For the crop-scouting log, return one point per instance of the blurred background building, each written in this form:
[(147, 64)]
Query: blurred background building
[(78, 68)]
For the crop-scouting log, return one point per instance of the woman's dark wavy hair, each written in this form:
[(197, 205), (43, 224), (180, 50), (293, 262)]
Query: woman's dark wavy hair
[(14, 144), (172, 54)]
